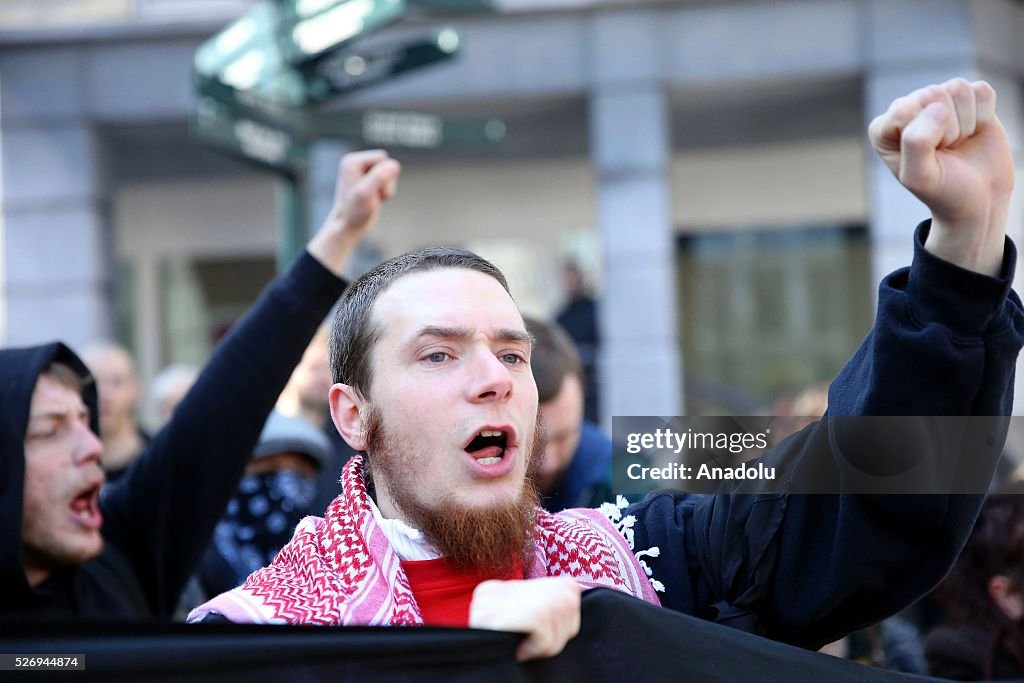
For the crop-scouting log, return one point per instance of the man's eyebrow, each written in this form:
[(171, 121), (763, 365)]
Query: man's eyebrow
[(508, 334), (505, 334), (440, 332), (49, 415), (58, 414)]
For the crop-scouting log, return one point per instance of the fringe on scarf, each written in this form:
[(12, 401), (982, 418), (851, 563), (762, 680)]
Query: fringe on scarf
[(624, 525)]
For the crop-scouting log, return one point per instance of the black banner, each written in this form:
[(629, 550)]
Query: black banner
[(621, 639)]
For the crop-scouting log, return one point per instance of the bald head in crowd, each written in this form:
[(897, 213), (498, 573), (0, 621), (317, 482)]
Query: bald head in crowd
[(167, 389), (310, 383), (116, 380)]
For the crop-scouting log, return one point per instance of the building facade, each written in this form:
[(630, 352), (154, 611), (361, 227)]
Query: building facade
[(706, 162)]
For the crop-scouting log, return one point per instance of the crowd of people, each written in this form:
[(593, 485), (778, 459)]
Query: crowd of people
[(428, 456)]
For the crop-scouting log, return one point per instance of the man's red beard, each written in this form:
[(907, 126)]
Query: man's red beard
[(491, 539)]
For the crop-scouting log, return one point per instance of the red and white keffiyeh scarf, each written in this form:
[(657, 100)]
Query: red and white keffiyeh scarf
[(342, 570)]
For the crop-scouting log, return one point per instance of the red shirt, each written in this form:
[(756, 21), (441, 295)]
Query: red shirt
[(444, 593)]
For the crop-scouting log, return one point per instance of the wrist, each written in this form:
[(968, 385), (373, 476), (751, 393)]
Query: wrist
[(332, 246), (959, 299), (975, 244)]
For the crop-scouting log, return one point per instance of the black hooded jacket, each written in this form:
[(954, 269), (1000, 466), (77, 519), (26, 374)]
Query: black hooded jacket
[(158, 518)]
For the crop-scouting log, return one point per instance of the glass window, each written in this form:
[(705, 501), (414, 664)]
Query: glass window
[(202, 299), (767, 311)]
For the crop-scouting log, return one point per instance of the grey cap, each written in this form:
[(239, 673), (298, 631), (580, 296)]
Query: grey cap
[(283, 434)]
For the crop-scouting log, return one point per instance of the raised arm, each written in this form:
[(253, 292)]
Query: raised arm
[(808, 568), (946, 145), (166, 508)]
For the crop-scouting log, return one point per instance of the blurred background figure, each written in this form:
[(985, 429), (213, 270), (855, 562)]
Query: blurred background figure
[(794, 412), (893, 644), (579, 319), (276, 492), (166, 391), (576, 471), (983, 638), (810, 404), (118, 387), (305, 398)]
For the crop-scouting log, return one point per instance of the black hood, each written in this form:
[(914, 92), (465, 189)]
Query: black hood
[(19, 371)]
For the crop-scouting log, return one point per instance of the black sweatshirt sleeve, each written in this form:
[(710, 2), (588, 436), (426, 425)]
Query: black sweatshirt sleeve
[(807, 569), (162, 513)]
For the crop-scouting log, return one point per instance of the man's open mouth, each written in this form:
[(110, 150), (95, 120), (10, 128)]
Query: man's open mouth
[(85, 506), (488, 446)]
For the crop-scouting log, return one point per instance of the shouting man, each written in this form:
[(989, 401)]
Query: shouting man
[(438, 521)]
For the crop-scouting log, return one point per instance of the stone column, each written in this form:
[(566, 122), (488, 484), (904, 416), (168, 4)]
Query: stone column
[(55, 227), (631, 149)]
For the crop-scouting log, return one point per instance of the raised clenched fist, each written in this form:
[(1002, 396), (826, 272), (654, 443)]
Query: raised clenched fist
[(947, 146), (365, 180)]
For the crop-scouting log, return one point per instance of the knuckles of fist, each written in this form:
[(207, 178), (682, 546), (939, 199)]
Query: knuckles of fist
[(946, 145)]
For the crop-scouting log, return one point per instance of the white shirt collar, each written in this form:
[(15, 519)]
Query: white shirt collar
[(409, 543)]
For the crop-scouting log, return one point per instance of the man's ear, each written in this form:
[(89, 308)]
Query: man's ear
[(347, 412), (1006, 596)]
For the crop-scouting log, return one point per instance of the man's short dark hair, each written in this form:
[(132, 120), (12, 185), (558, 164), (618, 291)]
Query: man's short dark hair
[(352, 333), (554, 356)]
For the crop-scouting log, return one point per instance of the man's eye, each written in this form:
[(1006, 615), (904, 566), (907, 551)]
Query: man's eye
[(46, 434), (438, 357), (512, 358)]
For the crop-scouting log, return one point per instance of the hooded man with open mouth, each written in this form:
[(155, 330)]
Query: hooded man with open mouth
[(66, 548)]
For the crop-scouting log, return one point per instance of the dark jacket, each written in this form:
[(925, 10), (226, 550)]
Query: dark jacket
[(806, 569), (161, 514)]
